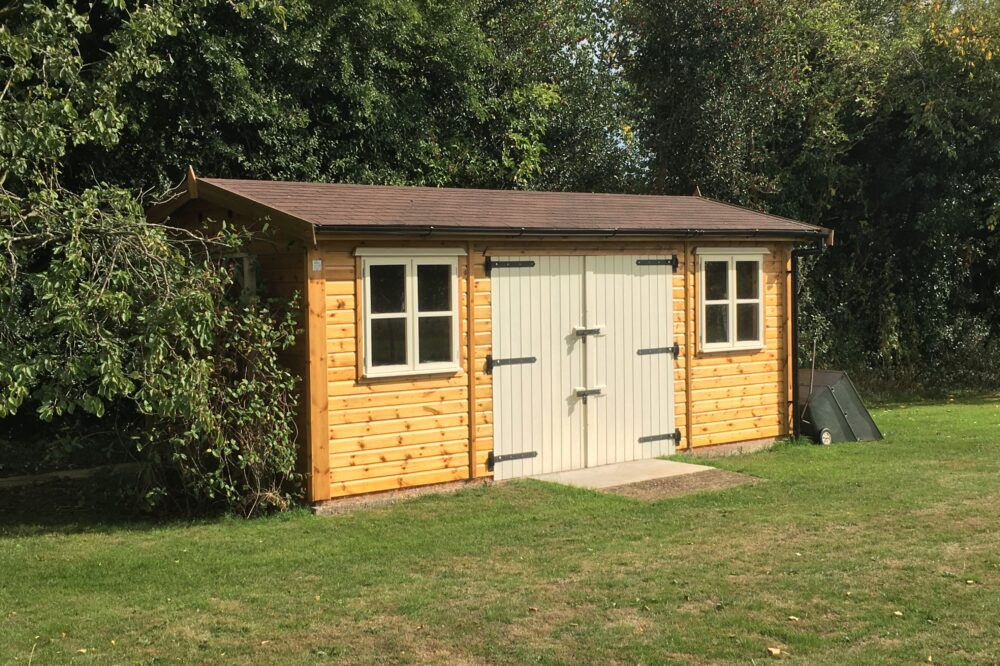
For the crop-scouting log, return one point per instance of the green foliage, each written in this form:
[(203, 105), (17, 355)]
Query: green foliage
[(914, 197), (52, 99), (522, 156), (879, 120), (712, 77), (361, 91), (106, 317), (587, 142), (489, 94), (231, 439)]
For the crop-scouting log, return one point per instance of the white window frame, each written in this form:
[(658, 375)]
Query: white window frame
[(411, 314), (731, 256)]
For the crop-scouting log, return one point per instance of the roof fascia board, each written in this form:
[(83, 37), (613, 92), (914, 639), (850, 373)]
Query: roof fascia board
[(220, 196), (193, 189), (437, 232), (160, 211)]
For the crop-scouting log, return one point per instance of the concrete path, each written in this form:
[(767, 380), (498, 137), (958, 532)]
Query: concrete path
[(608, 476)]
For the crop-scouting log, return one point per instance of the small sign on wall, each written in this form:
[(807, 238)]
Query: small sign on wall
[(317, 265)]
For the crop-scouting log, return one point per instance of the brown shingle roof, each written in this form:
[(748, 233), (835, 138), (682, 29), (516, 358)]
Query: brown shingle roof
[(379, 207)]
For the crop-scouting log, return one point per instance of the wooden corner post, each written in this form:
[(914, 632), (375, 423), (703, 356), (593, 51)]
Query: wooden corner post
[(690, 312), (470, 363), (317, 390)]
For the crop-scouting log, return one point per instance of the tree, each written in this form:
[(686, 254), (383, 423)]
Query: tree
[(927, 206), (710, 76), (103, 316), (341, 91), (876, 119), (488, 94)]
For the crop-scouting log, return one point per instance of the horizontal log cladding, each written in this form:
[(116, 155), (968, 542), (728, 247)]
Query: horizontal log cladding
[(404, 432)]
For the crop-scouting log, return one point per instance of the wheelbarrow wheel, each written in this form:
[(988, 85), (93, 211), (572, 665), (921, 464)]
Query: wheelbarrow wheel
[(825, 437)]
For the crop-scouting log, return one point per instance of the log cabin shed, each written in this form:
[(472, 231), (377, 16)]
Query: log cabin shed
[(461, 334)]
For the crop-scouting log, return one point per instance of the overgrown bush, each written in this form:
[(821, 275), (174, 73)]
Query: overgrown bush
[(107, 315), (235, 445)]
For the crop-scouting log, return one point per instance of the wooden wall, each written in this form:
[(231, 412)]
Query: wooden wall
[(403, 432), (743, 396), (396, 433), (282, 272)]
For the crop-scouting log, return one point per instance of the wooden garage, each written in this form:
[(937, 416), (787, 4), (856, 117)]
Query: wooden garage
[(457, 334)]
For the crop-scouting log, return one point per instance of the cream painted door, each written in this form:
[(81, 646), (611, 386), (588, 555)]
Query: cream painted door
[(537, 418), (582, 368), (630, 299)]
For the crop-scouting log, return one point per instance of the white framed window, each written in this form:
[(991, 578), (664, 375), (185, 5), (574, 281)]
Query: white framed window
[(731, 298), (410, 314)]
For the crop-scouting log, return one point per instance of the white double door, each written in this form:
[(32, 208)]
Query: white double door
[(582, 362)]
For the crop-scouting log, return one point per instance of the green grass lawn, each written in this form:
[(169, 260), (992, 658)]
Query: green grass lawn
[(884, 552)]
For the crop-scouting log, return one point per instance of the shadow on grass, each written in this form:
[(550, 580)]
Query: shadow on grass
[(71, 506), (897, 400)]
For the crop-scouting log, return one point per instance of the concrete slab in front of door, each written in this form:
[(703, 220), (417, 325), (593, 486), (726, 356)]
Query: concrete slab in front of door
[(619, 474)]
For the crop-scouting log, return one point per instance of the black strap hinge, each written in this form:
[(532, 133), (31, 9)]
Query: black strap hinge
[(492, 459), (675, 350), (671, 261), (675, 435), (497, 362), (492, 263)]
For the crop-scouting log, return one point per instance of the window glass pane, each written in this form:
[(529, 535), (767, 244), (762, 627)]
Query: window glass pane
[(388, 288), (716, 280), (435, 339), (747, 322), (434, 287), (389, 341), (746, 279), (717, 323)]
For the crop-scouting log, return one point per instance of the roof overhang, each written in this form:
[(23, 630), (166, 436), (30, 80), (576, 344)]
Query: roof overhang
[(193, 189)]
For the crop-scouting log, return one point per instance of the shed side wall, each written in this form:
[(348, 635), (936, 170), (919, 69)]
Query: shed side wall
[(393, 433), (742, 396)]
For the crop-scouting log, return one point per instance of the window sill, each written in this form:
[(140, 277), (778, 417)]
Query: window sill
[(429, 373), (741, 349)]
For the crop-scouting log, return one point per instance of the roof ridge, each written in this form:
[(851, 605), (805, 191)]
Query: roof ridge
[(434, 188)]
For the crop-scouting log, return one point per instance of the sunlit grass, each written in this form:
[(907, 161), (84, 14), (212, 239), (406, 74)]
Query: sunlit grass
[(881, 552)]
